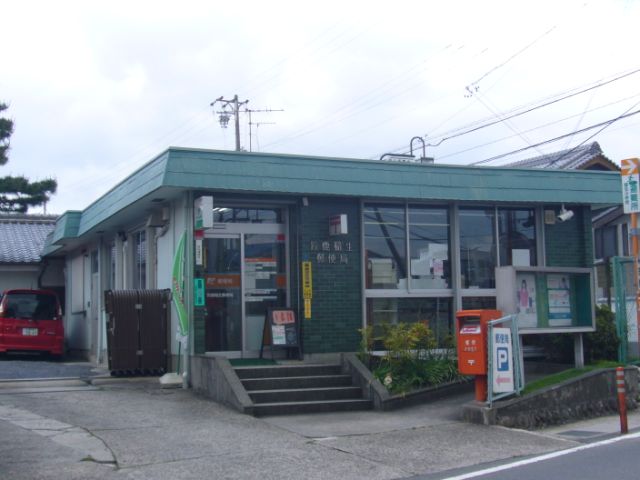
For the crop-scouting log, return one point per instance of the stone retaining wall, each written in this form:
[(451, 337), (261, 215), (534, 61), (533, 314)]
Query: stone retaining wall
[(590, 395)]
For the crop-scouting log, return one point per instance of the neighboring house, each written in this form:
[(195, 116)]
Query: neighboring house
[(610, 225), (584, 157), (346, 243), (22, 238)]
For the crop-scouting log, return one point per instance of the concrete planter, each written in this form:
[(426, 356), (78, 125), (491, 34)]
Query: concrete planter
[(590, 395), (384, 400)]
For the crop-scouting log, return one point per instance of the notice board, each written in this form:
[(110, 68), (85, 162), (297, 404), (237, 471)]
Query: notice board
[(281, 329)]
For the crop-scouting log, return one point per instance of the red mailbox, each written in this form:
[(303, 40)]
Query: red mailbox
[(471, 332)]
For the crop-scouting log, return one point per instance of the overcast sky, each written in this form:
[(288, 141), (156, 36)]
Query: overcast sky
[(97, 89)]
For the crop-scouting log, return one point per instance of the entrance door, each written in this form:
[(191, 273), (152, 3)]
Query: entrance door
[(223, 325), (265, 282), (245, 275)]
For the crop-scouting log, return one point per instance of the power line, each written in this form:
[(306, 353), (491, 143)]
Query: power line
[(366, 102), (473, 86), (590, 137), (605, 123), (517, 113), (475, 147)]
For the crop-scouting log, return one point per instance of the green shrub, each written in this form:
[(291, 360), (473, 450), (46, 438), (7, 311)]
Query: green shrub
[(604, 342), (412, 360)]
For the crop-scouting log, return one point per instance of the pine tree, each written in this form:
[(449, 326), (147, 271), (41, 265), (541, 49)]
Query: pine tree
[(6, 129), (17, 194)]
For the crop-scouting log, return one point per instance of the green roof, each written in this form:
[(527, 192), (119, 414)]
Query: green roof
[(262, 173)]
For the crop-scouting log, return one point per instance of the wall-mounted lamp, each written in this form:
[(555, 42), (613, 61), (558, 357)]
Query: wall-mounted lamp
[(122, 235), (565, 214), (305, 201)]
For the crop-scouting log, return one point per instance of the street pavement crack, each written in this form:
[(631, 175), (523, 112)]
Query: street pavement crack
[(358, 456), (81, 440)]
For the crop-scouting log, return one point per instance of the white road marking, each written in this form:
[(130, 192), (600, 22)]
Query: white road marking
[(544, 457)]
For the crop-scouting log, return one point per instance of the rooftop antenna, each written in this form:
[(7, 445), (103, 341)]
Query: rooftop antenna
[(257, 124)]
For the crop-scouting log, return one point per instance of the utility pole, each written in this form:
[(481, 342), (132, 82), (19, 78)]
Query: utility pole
[(230, 107)]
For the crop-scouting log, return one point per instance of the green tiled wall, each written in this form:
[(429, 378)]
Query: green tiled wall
[(336, 309), (569, 244)]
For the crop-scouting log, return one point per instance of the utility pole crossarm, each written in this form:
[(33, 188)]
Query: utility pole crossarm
[(230, 107)]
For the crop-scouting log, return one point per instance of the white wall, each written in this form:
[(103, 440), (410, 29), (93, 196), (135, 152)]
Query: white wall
[(53, 274), (77, 328), (26, 276), (18, 277)]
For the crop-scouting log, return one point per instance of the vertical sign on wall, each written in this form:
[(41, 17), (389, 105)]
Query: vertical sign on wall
[(630, 178), (199, 252), (198, 292), (502, 364), (307, 288), (630, 174), (338, 225)]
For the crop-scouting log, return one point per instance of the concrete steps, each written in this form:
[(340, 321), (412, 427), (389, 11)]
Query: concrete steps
[(290, 389)]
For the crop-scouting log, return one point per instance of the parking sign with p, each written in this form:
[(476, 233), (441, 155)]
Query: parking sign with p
[(502, 361)]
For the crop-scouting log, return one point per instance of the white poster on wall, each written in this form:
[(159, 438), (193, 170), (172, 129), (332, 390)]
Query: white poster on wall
[(526, 300), (559, 295)]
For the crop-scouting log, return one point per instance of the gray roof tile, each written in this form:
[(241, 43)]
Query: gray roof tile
[(22, 237), (570, 159)]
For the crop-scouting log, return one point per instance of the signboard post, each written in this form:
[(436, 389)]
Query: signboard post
[(630, 174), (502, 361), (505, 361), (281, 330)]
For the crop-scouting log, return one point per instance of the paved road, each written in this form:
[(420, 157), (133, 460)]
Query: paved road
[(132, 429), (615, 458), (20, 366)]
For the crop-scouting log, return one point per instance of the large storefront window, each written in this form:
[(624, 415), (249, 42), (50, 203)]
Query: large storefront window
[(517, 236), (385, 246), (430, 264), (435, 313), (409, 259), (388, 231), (477, 247)]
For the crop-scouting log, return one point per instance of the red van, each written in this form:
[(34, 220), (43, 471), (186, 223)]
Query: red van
[(31, 320)]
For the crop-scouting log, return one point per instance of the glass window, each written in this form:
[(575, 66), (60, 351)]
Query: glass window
[(31, 306), (429, 247), (140, 260), (385, 246), (435, 313), (517, 235), (95, 262), (605, 240), (477, 247), (478, 303), (112, 267), (247, 215)]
